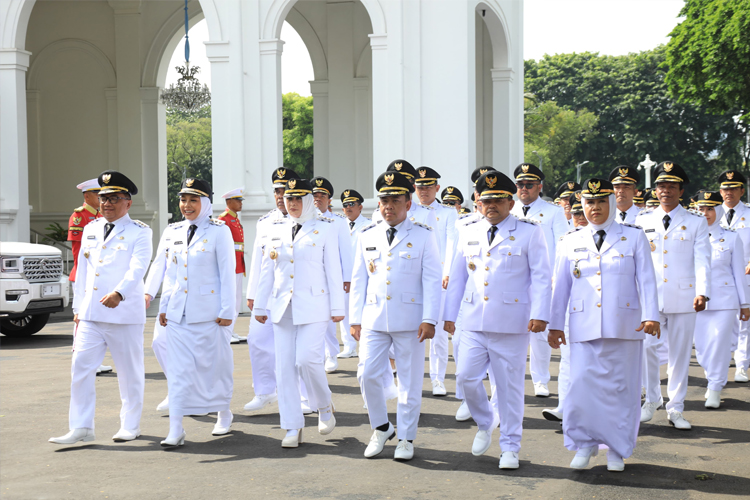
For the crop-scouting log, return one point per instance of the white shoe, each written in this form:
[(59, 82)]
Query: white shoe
[(482, 442), (392, 393), (378, 439), (236, 339), (164, 405), (648, 410), (292, 440), (740, 375), (509, 460), (178, 441), (677, 421), (581, 460), (82, 434), (705, 396), (713, 400), (347, 353), (332, 364), (326, 427), (261, 400), (306, 410), (103, 369), (463, 414), (555, 415), (126, 435), (404, 450), (438, 388), (541, 390), (615, 463), (222, 427)]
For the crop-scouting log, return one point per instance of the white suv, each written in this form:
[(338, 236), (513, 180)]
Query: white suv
[(32, 286)]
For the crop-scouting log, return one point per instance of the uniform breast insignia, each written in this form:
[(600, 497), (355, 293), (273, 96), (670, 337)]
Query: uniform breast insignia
[(86, 254), (139, 223), (409, 245), (371, 266), (653, 246), (216, 222), (472, 266), (423, 225), (273, 254), (576, 270), (529, 221), (368, 227)]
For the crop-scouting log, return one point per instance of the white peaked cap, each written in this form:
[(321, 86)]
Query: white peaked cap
[(89, 185), (234, 193)]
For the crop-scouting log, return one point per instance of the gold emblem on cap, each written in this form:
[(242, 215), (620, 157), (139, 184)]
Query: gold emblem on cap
[(578, 196), (292, 183), (483, 171), (594, 186), (653, 193), (450, 190), (189, 182), (346, 194), (525, 168), (639, 193), (623, 172), (398, 165), (318, 182), (571, 185), (423, 173), (730, 175), (106, 178), (281, 172), (668, 166), (707, 195), (388, 179), (491, 181)]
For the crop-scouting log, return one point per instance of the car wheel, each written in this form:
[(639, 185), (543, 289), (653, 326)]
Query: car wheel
[(23, 326)]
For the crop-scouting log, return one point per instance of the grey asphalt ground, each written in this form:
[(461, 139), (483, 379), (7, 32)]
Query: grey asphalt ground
[(249, 462)]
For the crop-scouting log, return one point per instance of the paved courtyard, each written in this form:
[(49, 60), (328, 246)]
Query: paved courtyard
[(713, 460)]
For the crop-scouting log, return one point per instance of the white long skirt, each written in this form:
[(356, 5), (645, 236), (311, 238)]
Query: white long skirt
[(201, 367), (603, 405)]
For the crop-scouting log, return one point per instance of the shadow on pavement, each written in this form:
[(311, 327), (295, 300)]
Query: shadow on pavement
[(36, 341)]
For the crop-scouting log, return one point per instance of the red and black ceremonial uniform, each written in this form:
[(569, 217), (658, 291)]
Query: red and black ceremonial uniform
[(81, 216), (231, 220)]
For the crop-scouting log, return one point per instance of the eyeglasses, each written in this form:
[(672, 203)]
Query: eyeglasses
[(349, 204), (112, 200), (527, 185), (451, 203)]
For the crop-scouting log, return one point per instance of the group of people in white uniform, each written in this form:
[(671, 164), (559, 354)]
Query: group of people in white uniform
[(510, 279)]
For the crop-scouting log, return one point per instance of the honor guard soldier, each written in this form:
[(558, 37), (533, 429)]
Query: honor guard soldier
[(260, 341), (231, 218), (417, 213), (681, 253), (562, 198), (501, 278), (352, 201), (88, 212), (529, 181), (395, 300), (714, 327), (452, 197), (638, 200), (737, 216), (323, 193), (604, 281), (625, 179), (109, 310), (427, 187)]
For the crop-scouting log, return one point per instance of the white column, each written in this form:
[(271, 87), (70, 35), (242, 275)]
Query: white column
[(14, 161), (319, 91), (503, 155), (362, 138), (381, 155), (33, 104), (154, 189), (270, 108), (112, 137)]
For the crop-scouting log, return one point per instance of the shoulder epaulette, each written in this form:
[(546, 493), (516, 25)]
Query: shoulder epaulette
[(278, 221), (529, 221), (645, 211), (423, 225), (367, 218), (174, 225), (465, 216), (729, 229), (472, 222), (324, 218), (552, 203), (370, 226), (339, 215), (79, 209), (267, 215), (428, 207), (216, 222), (571, 232), (630, 225), (139, 223), (698, 214), (225, 212)]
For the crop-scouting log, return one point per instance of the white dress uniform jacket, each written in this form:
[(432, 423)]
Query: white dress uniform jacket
[(445, 233), (630, 215), (688, 271), (210, 276), (550, 216), (385, 296), (345, 254), (117, 264), (740, 219), (729, 288), (509, 279), (417, 213), (262, 229), (608, 292), (306, 272)]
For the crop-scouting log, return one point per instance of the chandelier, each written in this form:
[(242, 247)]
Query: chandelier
[(188, 95)]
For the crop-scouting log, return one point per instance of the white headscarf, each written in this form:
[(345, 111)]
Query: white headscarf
[(719, 209), (610, 218), (205, 213), (309, 211)]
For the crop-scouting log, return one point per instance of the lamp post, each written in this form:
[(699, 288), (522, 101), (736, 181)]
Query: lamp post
[(578, 171), (647, 165), (540, 159)]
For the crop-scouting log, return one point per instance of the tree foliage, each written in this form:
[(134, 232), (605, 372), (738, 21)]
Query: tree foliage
[(636, 114), (297, 115), (708, 59)]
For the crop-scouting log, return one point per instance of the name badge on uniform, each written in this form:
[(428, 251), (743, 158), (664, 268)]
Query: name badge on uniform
[(649, 230), (178, 243), (580, 249), (91, 237), (370, 249), (275, 239), (473, 243)]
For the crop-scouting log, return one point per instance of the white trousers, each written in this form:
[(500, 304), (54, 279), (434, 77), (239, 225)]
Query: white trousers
[(260, 345), (387, 379), (159, 346), (713, 340), (439, 347), (237, 299), (506, 355), (346, 336), (299, 353), (410, 363), (539, 357), (678, 328), (331, 347), (742, 353), (563, 376), (125, 343)]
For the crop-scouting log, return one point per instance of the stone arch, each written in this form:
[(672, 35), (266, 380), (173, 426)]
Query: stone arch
[(279, 10), (311, 40), (51, 50), (497, 25), (364, 63), (208, 7), (17, 13)]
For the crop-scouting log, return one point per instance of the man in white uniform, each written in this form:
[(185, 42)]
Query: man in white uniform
[(529, 181), (110, 311), (395, 300), (427, 187), (352, 203), (562, 198), (625, 179), (452, 197), (417, 213), (681, 253)]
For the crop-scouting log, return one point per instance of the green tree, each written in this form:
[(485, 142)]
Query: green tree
[(708, 59), (636, 114), (297, 115)]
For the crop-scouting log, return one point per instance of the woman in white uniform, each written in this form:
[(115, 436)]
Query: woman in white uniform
[(605, 279), (197, 311), (714, 326), (301, 290)]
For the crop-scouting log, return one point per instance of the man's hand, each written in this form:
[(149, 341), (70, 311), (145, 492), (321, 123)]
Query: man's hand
[(347, 286), (747, 269), (537, 325), (250, 304), (261, 319), (745, 313), (426, 331), (163, 319), (699, 303), (650, 327), (556, 338), (111, 300), (75, 319), (355, 331), (450, 327), (149, 298), (223, 322), (445, 282), (337, 319)]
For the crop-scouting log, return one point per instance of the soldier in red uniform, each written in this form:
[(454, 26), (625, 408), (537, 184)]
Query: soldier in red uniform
[(232, 219), (82, 215)]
